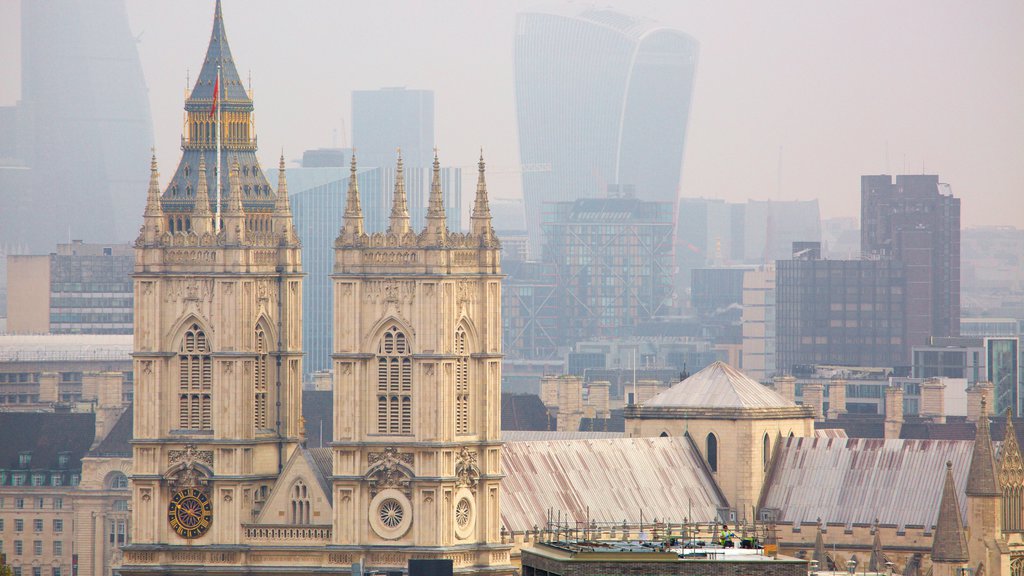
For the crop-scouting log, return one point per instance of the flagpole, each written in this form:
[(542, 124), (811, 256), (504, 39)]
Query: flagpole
[(218, 128)]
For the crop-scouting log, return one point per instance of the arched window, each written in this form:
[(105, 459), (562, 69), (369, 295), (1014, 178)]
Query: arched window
[(300, 503), (259, 384), (766, 451), (463, 416), (117, 481), (195, 381), (712, 452), (394, 383)]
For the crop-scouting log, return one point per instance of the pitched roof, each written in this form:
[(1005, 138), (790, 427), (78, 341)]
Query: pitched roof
[(117, 443), (950, 542), (46, 435), (524, 412), (606, 481), (719, 386), (856, 481)]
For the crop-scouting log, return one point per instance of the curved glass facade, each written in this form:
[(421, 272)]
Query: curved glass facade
[(602, 98)]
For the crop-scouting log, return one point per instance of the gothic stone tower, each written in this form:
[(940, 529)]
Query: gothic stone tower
[(417, 373), (217, 352)]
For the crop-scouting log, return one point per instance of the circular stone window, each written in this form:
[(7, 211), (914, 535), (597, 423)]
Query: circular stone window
[(390, 514), (465, 514)]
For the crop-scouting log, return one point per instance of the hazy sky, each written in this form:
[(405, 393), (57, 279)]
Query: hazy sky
[(843, 88)]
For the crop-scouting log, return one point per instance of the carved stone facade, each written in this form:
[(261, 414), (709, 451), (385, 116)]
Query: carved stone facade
[(217, 336), (417, 373)]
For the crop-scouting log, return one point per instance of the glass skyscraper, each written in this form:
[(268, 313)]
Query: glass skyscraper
[(602, 98)]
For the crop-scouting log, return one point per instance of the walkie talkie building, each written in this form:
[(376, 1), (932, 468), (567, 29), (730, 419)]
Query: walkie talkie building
[(602, 98)]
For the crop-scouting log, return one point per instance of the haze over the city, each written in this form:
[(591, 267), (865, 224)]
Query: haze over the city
[(826, 91)]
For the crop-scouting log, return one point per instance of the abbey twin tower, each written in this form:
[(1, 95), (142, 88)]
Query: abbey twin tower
[(222, 482)]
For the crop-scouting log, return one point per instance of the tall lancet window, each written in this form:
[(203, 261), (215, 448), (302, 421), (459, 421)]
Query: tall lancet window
[(300, 503), (462, 396), (394, 383), (195, 381), (259, 384)]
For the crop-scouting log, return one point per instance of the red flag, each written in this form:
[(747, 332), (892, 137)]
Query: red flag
[(216, 88)]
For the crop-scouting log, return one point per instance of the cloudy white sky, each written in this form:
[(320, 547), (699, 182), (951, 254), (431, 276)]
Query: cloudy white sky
[(842, 88)]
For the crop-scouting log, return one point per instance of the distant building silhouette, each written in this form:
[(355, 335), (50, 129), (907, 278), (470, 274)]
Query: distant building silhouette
[(73, 152), (602, 98), (390, 118)]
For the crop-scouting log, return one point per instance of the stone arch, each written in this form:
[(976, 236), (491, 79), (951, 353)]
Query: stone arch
[(116, 480), (375, 333), (178, 329)]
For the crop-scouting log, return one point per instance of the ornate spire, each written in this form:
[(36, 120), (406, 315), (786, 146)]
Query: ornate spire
[(234, 215), (819, 550), (352, 227), (153, 217), (235, 190), (202, 217), (950, 543), (153, 207), (437, 225), (282, 206), (1011, 465), (218, 53), (481, 218), (877, 561), (981, 479), (399, 225)]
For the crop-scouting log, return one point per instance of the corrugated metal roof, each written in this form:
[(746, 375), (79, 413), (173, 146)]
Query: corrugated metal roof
[(65, 347), (830, 433), (611, 479), (535, 435), (856, 481), (719, 386)]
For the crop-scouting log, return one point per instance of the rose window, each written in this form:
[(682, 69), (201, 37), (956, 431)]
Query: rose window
[(391, 513), (462, 513)]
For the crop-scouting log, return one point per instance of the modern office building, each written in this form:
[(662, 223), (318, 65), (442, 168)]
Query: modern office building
[(993, 359), (532, 322), (712, 232), (612, 260), (77, 142), (916, 220), (716, 290), (601, 98), (845, 312), (390, 118), (758, 323), (79, 289)]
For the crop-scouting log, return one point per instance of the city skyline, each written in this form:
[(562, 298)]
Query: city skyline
[(873, 82)]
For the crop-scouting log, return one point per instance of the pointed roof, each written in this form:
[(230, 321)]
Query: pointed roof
[(819, 551), (719, 386), (1011, 465), (218, 53), (950, 542), (981, 478), (153, 207), (399, 224), (282, 205), (201, 208), (877, 561), (436, 219), (481, 217)]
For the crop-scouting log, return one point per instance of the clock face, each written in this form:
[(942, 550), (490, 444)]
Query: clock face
[(190, 513)]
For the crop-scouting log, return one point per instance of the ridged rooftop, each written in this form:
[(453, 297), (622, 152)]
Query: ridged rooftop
[(719, 386)]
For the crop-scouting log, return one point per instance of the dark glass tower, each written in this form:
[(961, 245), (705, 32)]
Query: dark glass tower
[(602, 98)]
